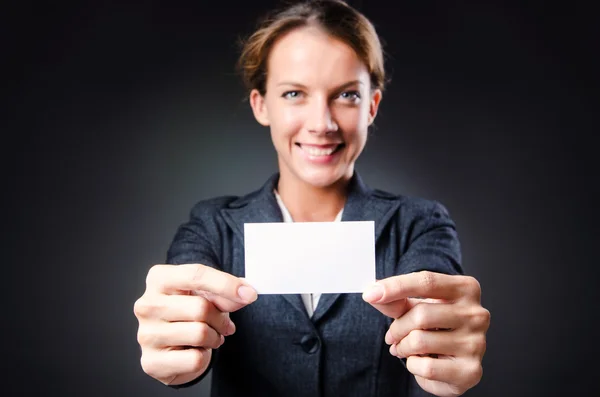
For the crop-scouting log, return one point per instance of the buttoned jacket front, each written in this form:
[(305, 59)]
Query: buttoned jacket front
[(277, 349)]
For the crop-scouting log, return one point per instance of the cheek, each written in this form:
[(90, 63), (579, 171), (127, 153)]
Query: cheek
[(286, 121), (354, 123)]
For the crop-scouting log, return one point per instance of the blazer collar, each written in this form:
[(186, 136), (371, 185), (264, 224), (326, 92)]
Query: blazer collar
[(362, 204)]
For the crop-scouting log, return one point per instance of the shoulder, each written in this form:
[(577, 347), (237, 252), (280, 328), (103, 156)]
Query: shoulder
[(211, 208), (425, 234), (413, 207), (208, 208)]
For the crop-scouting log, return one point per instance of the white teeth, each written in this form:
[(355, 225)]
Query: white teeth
[(313, 151)]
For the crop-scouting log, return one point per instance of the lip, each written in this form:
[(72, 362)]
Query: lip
[(320, 146), (320, 160)]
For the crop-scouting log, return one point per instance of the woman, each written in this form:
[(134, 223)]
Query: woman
[(315, 75)]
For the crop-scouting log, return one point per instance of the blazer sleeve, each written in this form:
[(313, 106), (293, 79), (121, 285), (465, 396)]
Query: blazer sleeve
[(431, 242), (196, 242)]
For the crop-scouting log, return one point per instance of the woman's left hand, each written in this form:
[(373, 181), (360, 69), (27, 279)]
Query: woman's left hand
[(441, 332)]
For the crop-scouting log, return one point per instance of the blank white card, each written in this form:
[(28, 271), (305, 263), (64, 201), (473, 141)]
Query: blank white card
[(310, 257)]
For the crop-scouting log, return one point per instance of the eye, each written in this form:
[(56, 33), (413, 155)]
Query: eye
[(291, 94), (352, 96)]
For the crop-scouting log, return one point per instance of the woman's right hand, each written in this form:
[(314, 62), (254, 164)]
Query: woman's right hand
[(183, 315)]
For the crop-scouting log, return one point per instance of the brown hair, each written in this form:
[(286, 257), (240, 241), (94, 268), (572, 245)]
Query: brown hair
[(335, 17)]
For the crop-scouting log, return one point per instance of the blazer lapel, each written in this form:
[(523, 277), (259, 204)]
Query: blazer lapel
[(259, 207), (363, 204)]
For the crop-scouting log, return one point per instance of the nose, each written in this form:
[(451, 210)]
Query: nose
[(320, 120)]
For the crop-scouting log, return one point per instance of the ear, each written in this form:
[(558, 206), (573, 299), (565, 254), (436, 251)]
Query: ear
[(259, 107), (374, 105)]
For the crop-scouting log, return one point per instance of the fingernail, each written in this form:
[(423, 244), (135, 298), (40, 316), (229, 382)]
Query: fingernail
[(222, 340), (393, 351), (247, 294), (388, 337), (374, 293), (230, 328)]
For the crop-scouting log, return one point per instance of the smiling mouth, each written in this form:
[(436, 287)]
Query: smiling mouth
[(325, 150)]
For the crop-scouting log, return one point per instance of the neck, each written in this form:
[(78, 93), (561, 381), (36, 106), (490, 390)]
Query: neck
[(308, 203)]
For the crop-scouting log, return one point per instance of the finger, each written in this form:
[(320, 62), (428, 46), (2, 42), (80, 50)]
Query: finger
[(423, 316), (438, 388), (445, 343), (394, 309), (398, 308), (222, 304), (172, 279), (167, 364), (178, 308), (169, 335), (454, 375), (441, 343), (442, 370), (423, 284)]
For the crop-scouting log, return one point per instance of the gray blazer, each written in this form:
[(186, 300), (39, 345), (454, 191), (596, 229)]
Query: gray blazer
[(277, 349)]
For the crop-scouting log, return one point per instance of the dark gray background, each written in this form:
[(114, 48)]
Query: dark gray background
[(119, 117)]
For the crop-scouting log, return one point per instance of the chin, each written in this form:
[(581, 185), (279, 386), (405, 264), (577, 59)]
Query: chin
[(321, 178)]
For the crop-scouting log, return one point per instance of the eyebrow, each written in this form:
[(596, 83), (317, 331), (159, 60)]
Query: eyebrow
[(338, 88)]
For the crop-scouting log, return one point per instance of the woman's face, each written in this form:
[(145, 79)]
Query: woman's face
[(318, 104)]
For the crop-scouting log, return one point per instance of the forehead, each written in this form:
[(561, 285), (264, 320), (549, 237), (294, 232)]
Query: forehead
[(310, 56)]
